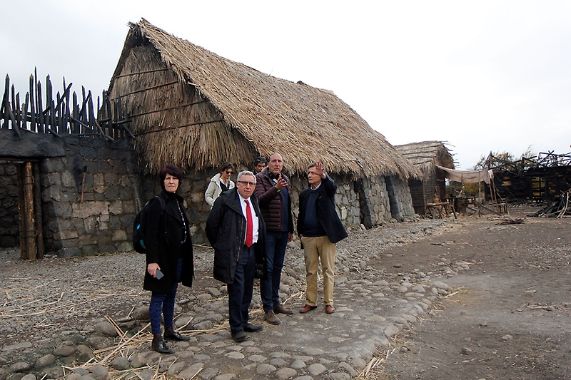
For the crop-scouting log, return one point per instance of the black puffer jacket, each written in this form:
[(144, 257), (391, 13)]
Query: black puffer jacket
[(163, 233), (226, 228)]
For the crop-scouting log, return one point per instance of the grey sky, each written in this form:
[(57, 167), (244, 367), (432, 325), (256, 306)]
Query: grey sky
[(483, 76)]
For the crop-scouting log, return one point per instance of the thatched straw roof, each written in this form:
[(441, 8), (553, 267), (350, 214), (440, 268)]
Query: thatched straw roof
[(266, 113), (426, 154)]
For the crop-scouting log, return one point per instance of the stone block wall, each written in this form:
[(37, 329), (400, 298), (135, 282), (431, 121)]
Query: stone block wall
[(91, 194), (404, 198), (88, 197), (9, 227)]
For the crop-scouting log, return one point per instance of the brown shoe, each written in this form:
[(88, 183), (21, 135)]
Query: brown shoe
[(329, 309), (271, 318), (281, 309), (307, 308)]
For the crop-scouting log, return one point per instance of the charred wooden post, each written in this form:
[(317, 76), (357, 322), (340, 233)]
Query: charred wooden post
[(28, 247), (38, 211)]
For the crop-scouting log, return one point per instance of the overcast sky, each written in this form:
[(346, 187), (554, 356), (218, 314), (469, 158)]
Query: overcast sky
[(481, 75)]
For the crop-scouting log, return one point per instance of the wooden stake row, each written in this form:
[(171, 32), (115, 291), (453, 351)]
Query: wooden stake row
[(63, 114)]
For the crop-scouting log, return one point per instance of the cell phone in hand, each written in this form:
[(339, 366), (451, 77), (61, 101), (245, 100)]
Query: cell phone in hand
[(159, 274)]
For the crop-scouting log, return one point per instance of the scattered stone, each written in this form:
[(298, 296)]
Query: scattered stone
[(17, 346), (347, 368), (208, 373), (235, 355), (339, 376), (45, 361), (64, 351), (265, 369), (120, 363), (466, 351), (257, 358), (176, 367), (141, 313), (285, 373), (440, 285), (20, 367), (99, 372), (507, 337), (225, 376), (84, 353), (191, 372), (297, 364), (105, 328), (316, 369)]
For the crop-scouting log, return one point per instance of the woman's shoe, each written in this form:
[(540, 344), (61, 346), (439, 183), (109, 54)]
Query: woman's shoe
[(160, 346), (173, 335)]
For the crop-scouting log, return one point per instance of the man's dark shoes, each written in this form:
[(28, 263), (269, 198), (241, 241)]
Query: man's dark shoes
[(239, 337), (281, 309), (271, 318), (173, 335), (306, 308), (250, 327), (329, 309), (160, 346)]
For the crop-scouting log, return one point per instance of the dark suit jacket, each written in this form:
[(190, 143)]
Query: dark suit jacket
[(326, 213), (226, 228)]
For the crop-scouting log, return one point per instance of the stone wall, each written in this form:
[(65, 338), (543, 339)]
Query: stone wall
[(88, 197), (400, 199), (9, 227)]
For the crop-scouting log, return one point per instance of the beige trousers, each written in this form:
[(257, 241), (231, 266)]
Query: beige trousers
[(318, 249)]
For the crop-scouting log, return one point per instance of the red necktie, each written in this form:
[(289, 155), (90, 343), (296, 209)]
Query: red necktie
[(249, 225)]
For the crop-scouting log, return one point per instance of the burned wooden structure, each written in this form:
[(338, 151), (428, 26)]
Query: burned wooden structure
[(53, 148), (544, 177), (430, 188)]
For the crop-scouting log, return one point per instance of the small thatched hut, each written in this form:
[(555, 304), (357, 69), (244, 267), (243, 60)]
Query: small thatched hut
[(431, 185), (191, 107)]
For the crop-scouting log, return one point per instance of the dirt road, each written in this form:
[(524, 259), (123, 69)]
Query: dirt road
[(509, 315)]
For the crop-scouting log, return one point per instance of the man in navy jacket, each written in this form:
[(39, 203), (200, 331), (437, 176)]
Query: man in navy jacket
[(319, 228)]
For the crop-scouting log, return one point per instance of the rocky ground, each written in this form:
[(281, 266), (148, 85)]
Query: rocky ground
[(85, 317), (508, 315)]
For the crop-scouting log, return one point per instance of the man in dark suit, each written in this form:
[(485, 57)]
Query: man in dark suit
[(319, 228), (236, 231)]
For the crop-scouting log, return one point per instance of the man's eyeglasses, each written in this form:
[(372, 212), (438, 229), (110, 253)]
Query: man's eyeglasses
[(229, 172), (246, 183)]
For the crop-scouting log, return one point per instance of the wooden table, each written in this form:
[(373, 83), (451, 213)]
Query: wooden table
[(439, 209)]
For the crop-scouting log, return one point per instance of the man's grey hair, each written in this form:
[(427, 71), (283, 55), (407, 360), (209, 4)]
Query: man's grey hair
[(246, 172)]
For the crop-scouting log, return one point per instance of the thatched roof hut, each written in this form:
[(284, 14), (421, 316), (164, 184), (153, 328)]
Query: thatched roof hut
[(425, 154), (431, 185), (196, 109)]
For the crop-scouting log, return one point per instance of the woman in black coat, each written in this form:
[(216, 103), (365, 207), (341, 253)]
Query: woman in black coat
[(169, 256)]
